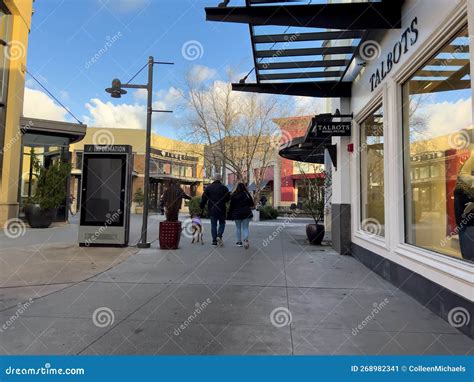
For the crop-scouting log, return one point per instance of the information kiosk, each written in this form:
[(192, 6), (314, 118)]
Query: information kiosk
[(106, 195)]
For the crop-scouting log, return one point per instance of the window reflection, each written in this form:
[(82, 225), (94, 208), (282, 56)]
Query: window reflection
[(372, 174), (438, 139)]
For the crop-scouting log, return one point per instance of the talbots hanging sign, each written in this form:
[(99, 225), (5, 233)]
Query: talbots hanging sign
[(407, 40)]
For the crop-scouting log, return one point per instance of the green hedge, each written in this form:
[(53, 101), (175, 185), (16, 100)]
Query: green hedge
[(194, 208), (268, 213)]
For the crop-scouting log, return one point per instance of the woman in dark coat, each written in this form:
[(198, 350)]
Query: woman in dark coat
[(240, 210)]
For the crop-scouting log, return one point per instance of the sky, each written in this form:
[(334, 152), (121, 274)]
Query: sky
[(77, 47)]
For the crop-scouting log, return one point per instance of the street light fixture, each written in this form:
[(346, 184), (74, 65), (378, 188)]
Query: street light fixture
[(116, 91)]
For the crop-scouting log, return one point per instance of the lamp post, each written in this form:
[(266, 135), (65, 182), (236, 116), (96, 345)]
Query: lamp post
[(116, 91)]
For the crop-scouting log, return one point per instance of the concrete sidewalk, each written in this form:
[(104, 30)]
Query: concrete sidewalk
[(279, 297)]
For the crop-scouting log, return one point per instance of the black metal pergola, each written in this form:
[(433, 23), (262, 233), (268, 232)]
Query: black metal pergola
[(315, 59)]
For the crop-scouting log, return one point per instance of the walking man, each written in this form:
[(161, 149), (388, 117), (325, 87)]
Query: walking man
[(216, 195)]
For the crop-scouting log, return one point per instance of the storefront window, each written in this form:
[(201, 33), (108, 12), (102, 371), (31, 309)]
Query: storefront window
[(438, 150), (372, 174)]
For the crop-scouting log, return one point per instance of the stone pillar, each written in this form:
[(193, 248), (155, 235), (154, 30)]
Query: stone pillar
[(341, 190)]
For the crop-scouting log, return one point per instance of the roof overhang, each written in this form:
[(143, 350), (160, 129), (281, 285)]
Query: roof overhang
[(319, 62), (74, 131), (348, 16)]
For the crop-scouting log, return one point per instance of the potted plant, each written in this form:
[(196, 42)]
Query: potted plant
[(318, 195), (170, 229), (139, 199), (51, 192)]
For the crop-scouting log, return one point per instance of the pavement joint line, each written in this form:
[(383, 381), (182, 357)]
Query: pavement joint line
[(287, 295), (130, 314), (88, 279)]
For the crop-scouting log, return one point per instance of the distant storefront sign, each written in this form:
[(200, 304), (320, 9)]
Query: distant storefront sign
[(170, 155)]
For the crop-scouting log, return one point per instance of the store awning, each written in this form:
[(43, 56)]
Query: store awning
[(301, 150), (311, 60), (47, 131)]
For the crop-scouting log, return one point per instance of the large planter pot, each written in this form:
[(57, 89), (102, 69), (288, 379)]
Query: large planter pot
[(315, 233), (38, 217), (170, 234)]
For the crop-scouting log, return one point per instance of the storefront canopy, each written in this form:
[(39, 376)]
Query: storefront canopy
[(301, 150), (329, 54)]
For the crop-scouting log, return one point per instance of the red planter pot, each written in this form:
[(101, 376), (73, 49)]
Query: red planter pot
[(170, 234)]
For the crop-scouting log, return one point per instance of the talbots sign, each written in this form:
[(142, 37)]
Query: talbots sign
[(333, 129), (407, 40)]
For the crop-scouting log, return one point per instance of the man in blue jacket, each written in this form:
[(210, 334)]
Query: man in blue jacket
[(216, 195)]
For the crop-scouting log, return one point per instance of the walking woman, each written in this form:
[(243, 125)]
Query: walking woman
[(240, 210)]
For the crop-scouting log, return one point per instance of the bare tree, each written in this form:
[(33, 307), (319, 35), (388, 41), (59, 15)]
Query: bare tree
[(236, 127)]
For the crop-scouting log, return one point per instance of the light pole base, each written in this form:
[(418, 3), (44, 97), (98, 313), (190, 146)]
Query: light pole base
[(143, 245)]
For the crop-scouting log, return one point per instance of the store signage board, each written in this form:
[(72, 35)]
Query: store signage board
[(393, 57), (331, 125), (107, 148)]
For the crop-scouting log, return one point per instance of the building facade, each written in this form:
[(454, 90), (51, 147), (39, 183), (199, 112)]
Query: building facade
[(403, 178), (170, 159), (281, 180), (15, 25)]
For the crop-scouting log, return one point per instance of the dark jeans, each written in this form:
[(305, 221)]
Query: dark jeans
[(214, 231)]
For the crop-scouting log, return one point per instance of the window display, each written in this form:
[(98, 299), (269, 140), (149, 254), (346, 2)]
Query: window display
[(438, 153)]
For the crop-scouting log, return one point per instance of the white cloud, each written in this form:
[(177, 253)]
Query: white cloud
[(140, 95), (38, 104), (106, 114), (447, 117), (307, 105), (200, 73)]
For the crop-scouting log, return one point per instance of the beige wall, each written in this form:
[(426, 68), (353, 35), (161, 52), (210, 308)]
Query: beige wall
[(21, 11)]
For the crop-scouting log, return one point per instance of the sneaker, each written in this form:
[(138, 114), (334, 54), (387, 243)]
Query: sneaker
[(246, 244), (214, 243), (220, 242), (239, 244)]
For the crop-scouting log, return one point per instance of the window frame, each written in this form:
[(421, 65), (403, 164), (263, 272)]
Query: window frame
[(428, 56), (457, 270)]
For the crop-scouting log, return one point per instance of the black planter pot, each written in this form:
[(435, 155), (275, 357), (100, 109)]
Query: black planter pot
[(315, 233), (38, 217)]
